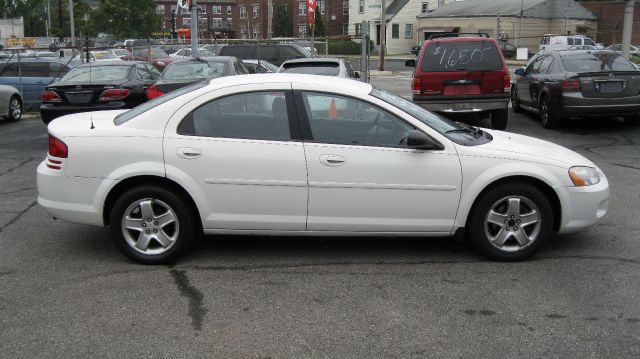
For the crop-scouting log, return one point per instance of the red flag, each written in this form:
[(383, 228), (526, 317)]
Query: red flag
[(311, 12)]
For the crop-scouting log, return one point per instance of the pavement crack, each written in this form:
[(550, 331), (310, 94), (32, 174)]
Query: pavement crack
[(16, 167), (20, 214), (622, 165), (607, 258), (18, 190), (195, 296)]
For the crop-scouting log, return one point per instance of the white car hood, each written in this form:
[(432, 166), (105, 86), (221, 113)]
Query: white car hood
[(520, 147)]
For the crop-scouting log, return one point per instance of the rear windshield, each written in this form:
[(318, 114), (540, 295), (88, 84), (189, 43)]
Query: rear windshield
[(136, 111), (193, 70), (97, 73), (237, 51), (153, 54), (595, 62), (313, 68), (461, 56)]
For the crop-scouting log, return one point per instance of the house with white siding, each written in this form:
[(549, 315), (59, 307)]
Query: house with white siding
[(401, 18)]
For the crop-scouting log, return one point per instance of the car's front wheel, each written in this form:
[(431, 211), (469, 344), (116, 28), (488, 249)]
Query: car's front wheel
[(152, 225), (15, 108), (509, 222)]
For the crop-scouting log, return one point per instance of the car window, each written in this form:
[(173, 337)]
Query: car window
[(143, 74), (348, 69), (534, 68), (288, 53), (242, 52), (57, 70), (193, 70), (569, 40), (312, 68), (155, 74), (35, 69), (240, 68), (461, 56), (266, 53), (588, 42), (595, 62), (347, 121), (546, 63), (578, 41), (9, 70), (254, 115), (88, 74)]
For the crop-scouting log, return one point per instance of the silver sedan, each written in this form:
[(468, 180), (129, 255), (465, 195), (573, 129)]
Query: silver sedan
[(11, 104)]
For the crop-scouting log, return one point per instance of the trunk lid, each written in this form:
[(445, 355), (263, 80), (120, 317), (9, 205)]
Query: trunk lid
[(82, 94), (610, 84)]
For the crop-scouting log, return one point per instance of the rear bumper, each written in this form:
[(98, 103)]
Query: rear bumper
[(579, 106), (462, 104), (50, 112)]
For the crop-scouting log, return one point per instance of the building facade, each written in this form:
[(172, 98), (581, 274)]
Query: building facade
[(217, 18), (611, 21)]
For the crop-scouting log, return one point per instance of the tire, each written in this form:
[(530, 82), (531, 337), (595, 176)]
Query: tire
[(515, 103), (160, 235), (547, 119), (632, 120), (511, 202), (15, 109), (499, 119)]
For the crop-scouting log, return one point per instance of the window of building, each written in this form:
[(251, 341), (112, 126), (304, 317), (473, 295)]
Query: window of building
[(345, 7), (302, 7), (228, 10), (395, 31), (160, 10), (173, 9), (243, 12), (440, 2), (203, 9), (256, 11), (345, 29), (321, 4), (408, 31), (361, 6), (217, 23), (425, 7), (302, 30), (256, 31), (358, 29), (186, 21)]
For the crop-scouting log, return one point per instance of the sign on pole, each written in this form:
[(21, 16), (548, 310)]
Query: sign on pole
[(184, 4), (311, 12)]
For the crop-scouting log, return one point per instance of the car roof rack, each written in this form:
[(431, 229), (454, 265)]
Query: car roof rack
[(457, 34)]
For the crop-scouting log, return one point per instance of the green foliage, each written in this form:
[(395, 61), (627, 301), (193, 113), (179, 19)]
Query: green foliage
[(282, 25), (344, 47), (635, 58), (126, 18), (320, 29)]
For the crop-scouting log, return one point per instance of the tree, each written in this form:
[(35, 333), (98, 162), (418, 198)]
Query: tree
[(320, 30), (282, 26), (126, 18)]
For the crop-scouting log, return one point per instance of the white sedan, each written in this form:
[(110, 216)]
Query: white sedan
[(298, 155)]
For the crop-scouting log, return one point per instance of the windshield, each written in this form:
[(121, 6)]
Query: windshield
[(595, 62), (96, 74), (153, 54), (194, 70), (136, 111), (313, 68), (461, 56), (453, 131)]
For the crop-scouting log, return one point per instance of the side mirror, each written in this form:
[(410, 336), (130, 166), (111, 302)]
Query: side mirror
[(420, 141), (521, 72), (410, 63), (356, 75)]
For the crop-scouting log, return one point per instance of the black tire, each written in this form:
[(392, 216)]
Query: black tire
[(515, 102), (547, 119), (159, 198), (633, 120), (45, 119), (528, 197), (15, 109), (499, 119)]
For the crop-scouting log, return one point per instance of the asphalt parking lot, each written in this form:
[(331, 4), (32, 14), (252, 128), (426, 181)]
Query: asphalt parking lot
[(66, 291)]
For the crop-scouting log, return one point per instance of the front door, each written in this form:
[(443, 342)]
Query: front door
[(362, 176), (236, 150)]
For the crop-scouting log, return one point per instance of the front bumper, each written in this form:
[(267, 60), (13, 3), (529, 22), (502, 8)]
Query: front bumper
[(583, 206), (462, 104)]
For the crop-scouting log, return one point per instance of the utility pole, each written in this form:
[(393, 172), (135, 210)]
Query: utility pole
[(48, 17), (73, 28), (520, 30), (269, 19), (60, 32), (383, 34), (194, 28), (627, 28)]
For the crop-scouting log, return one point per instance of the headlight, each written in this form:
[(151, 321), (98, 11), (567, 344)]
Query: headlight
[(584, 176)]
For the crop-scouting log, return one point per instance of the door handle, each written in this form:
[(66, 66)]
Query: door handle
[(189, 153), (332, 160)]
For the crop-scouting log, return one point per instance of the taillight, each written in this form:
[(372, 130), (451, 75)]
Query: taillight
[(57, 148), (506, 83), (153, 92), (114, 95), (50, 96), (417, 85), (571, 85)]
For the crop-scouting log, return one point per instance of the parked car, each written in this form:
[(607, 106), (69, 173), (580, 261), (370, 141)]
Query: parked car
[(202, 52), (215, 49), (259, 66), (157, 57), (462, 76), (633, 50), (95, 56), (30, 76), (509, 50), (563, 42), (119, 53), (10, 103), (319, 66), (222, 157), (583, 47), (567, 85), (98, 86), (273, 53), (184, 72)]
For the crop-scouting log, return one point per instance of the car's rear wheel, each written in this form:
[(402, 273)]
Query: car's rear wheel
[(515, 102), (633, 120), (547, 118), (499, 119), (15, 108), (152, 225), (510, 222)]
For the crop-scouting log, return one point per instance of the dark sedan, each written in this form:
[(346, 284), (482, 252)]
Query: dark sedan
[(157, 57), (574, 84), (181, 73), (98, 86)]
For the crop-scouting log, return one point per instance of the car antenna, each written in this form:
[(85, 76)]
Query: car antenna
[(92, 126)]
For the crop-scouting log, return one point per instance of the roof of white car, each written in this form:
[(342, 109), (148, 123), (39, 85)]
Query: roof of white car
[(335, 82)]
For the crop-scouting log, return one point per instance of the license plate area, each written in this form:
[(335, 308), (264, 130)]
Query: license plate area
[(79, 97), (452, 90), (610, 86)]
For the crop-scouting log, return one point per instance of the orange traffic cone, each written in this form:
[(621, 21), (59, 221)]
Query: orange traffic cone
[(333, 114)]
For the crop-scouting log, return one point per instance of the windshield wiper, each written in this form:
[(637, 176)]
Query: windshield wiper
[(476, 131)]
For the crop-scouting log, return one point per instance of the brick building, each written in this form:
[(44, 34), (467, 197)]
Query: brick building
[(611, 20), (252, 17), (219, 17)]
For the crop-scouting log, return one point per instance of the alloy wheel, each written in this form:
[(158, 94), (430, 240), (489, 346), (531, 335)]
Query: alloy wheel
[(512, 223), (15, 108), (150, 226)]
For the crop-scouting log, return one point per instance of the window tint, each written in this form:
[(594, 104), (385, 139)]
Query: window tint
[(88, 74), (35, 69), (288, 53), (546, 63), (534, 68), (342, 120), (255, 115), (9, 70), (241, 69), (596, 61), (242, 52), (569, 40), (266, 53), (155, 74), (143, 74), (461, 56), (192, 70)]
